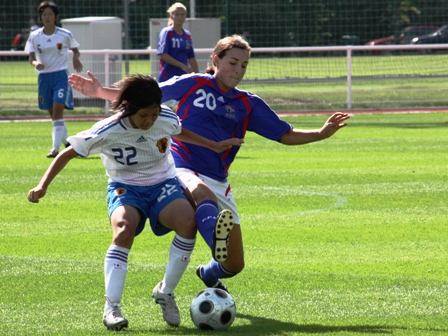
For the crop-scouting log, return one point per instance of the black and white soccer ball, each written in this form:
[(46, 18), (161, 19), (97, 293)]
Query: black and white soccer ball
[(213, 309)]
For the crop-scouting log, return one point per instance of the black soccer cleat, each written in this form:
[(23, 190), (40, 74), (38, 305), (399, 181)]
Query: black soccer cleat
[(219, 284), (223, 226)]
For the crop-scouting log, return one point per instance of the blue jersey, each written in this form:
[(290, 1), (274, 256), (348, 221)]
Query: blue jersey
[(180, 47), (205, 109)]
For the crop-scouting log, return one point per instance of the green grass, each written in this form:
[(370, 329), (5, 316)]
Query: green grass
[(348, 236), (383, 82)]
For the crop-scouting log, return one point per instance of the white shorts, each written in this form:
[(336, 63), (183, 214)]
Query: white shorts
[(222, 190)]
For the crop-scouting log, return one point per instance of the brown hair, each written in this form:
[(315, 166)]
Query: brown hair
[(224, 44), (137, 91)]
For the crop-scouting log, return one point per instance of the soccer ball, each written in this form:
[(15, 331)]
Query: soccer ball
[(213, 309)]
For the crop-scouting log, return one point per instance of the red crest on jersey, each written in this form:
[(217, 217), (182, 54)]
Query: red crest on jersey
[(59, 46), (162, 144)]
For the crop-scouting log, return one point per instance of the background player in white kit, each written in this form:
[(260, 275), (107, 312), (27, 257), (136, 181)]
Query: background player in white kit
[(48, 54), (135, 149)]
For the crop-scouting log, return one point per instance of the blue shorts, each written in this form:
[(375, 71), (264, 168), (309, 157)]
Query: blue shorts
[(54, 88), (149, 200)]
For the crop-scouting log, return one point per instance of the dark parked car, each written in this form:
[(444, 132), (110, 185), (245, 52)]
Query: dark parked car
[(405, 37), (439, 36)]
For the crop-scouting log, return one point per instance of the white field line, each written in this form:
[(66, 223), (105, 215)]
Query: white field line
[(339, 201)]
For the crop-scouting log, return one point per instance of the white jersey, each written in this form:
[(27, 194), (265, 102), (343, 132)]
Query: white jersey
[(51, 50), (131, 155)]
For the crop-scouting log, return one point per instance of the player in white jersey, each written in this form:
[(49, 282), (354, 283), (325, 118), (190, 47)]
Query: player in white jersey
[(135, 149), (48, 54)]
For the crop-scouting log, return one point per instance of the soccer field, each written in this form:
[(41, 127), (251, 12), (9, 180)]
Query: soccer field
[(347, 236)]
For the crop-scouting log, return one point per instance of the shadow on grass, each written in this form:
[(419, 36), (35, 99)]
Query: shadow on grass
[(266, 326), (270, 326)]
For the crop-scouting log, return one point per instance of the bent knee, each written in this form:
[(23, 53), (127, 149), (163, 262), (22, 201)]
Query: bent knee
[(234, 266), (186, 227), (202, 193), (124, 232)]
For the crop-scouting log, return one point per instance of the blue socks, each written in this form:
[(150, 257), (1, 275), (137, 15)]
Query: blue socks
[(214, 271), (206, 214)]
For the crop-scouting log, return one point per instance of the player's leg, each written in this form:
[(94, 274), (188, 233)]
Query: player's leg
[(62, 97), (206, 208), (213, 226), (178, 216), (69, 104), (235, 259), (173, 211), (59, 129), (125, 216), (45, 101), (211, 273)]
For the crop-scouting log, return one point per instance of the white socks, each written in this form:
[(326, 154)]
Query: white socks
[(116, 262), (60, 133), (179, 258), (115, 269)]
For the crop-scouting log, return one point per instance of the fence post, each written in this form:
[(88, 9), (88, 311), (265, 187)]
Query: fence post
[(349, 78), (107, 77)]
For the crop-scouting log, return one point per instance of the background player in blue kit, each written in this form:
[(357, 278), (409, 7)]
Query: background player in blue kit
[(211, 105), (135, 149), (175, 46), (48, 54)]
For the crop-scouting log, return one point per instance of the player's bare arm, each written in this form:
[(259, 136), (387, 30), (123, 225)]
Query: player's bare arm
[(218, 147), (331, 126), (53, 170), (34, 62), (76, 62)]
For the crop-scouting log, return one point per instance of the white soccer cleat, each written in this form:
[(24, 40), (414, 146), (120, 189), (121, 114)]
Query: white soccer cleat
[(170, 311), (114, 320)]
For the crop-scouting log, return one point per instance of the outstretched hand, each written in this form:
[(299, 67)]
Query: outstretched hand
[(224, 145), (334, 123), (89, 87)]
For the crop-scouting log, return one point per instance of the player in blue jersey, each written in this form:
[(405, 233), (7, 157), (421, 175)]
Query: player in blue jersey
[(135, 149), (175, 46), (211, 105), (48, 54)]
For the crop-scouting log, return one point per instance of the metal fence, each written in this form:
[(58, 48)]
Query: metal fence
[(273, 23), (294, 79)]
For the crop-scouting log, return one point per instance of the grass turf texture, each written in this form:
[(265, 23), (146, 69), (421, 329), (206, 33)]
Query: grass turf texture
[(346, 236)]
